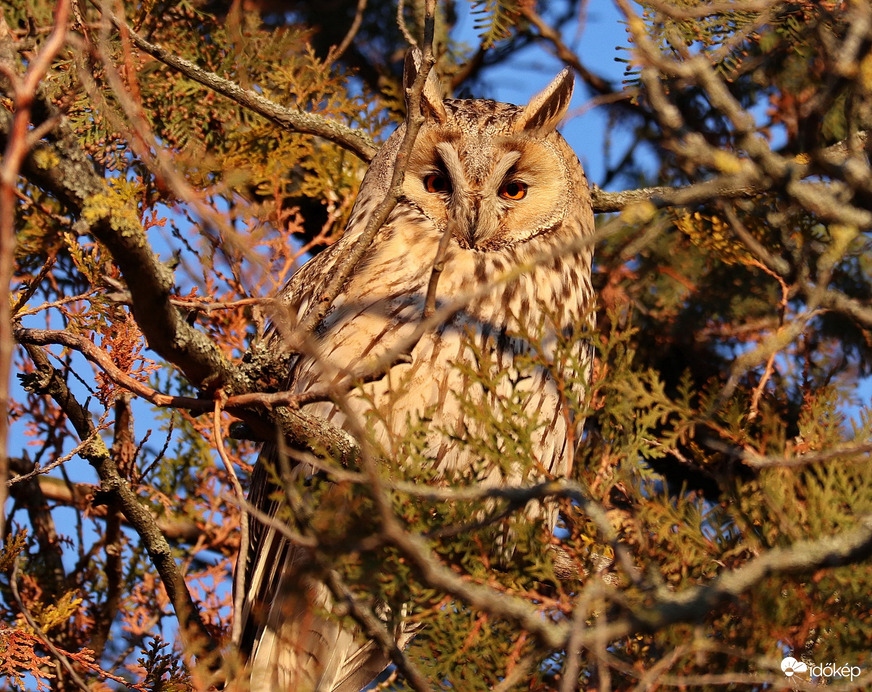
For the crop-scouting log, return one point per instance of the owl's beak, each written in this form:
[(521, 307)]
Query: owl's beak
[(472, 222)]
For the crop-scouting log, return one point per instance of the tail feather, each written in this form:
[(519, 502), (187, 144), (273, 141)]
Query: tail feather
[(302, 650), (288, 636)]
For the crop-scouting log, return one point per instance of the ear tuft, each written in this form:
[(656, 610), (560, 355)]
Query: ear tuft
[(547, 108), (431, 98)]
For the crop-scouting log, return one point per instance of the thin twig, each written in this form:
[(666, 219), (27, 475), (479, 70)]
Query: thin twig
[(836, 453), (769, 369), (436, 272), (597, 83), (239, 576), (40, 470), (401, 23), (517, 675), (352, 31), (32, 286), (774, 266)]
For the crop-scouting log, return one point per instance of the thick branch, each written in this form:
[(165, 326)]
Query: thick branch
[(747, 183), (725, 187), (61, 168), (839, 302), (29, 494)]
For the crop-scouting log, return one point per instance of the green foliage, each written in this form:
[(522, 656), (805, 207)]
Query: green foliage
[(494, 19), (12, 548), (715, 32)]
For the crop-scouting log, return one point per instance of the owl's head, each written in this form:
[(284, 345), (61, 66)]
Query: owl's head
[(495, 174)]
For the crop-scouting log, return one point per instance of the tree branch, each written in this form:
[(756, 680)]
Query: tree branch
[(848, 547), (725, 187), (61, 168), (174, 528), (352, 32), (59, 656), (668, 608), (748, 182), (43, 337), (595, 82), (294, 120), (75, 182)]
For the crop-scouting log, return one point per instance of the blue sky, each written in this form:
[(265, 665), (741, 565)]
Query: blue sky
[(597, 43)]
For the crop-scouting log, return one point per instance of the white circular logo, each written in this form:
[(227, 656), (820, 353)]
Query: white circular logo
[(790, 666)]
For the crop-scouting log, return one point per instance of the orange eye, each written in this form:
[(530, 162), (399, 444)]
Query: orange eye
[(436, 182), (514, 189)]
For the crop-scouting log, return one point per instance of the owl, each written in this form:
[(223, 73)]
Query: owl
[(509, 195)]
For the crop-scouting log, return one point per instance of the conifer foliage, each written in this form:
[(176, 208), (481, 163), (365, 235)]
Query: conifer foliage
[(165, 168)]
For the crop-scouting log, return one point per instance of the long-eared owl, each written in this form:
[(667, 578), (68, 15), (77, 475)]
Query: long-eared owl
[(513, 200)]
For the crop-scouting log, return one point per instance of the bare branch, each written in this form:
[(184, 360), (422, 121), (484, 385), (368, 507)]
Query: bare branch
[(594, 81), (710, 8), (858, 450), (176, 529), (839, 302), (39, 470), (352, 32), (725, 187)]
